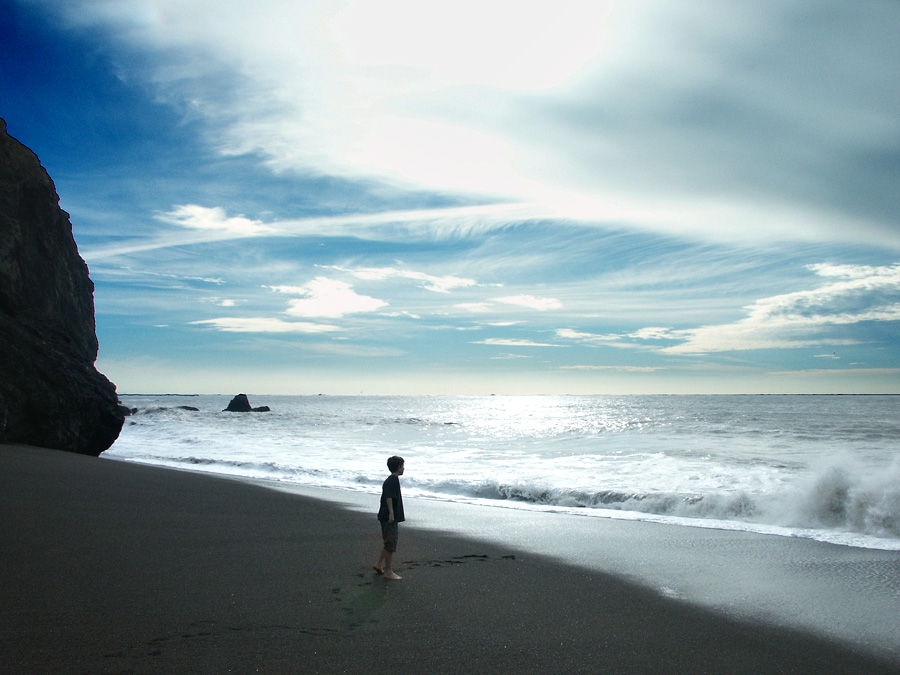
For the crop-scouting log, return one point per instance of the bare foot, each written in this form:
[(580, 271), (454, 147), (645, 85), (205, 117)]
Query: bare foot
[(378, 569), (393, 576)]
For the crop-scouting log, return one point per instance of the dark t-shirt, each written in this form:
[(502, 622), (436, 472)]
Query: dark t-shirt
[(391, 489)]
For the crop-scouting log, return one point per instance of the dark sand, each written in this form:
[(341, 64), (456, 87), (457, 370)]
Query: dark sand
[(109, 567)]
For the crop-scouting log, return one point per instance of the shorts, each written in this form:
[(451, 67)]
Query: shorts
[(390, 532)]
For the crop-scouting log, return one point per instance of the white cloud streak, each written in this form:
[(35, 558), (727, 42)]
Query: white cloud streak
[(624, 369), (393, 225), (264, 325), (580, 336), (507, 342), (531, 302), (442, 284), (802, 319), (194, 217)]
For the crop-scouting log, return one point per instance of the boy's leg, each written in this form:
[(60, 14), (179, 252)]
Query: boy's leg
[(389, 568), (390, 534)]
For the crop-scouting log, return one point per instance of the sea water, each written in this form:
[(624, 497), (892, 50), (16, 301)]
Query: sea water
[(819, 467)]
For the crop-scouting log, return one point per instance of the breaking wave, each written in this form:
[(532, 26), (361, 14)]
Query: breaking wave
[(838, 498), (820, 467)]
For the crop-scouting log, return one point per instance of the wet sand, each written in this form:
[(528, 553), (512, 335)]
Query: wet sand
[(110, 567)]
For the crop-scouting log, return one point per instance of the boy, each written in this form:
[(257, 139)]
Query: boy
[(389, 514)]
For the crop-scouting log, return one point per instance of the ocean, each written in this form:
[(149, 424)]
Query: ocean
[(824, 467)]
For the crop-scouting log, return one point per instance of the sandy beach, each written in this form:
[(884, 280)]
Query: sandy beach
[(111, 567)]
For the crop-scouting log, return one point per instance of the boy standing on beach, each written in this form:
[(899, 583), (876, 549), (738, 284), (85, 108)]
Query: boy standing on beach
[(389, 514)]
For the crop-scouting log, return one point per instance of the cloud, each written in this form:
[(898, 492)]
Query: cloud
[(656, 333), (532, 302), (221, 302), (401, 314), (624, 369), (569, 334), (329, 298), (443, 284), (476, 307), (397, 224), (196, 217), (802, 319), (437, 224), (504, 342), (592, 339), (668, 116), (291, 290), (264, 325), (546, 155), (493, 306), (839, 372)]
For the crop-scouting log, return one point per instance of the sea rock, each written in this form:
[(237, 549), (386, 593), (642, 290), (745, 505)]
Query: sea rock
[(51, 395), (241, 403)]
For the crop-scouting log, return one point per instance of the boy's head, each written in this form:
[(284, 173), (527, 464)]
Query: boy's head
[(394, 463)]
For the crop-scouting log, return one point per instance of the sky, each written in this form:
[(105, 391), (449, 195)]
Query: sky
[(418, 197)]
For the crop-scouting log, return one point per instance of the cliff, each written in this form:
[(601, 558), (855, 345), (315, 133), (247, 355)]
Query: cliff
[(51, 395)]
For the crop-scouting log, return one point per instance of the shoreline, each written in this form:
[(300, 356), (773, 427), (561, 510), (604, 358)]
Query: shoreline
[(837, 538), (116, 566)]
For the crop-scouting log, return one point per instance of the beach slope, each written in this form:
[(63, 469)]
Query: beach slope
[(110, 567)]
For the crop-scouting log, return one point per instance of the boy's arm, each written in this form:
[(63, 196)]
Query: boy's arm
[(390, 505)]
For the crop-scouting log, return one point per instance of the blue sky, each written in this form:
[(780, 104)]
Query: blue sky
[(341, 196)]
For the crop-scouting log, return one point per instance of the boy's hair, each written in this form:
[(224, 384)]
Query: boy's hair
[(394, 463)]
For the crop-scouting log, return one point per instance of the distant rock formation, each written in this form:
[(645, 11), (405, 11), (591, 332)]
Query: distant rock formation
[(241, 403), (51, 395)]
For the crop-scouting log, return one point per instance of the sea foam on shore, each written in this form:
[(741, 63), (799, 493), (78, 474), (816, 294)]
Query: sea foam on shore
[(822, 467)]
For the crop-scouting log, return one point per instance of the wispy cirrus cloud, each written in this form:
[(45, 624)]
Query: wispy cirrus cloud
[(657, 333), (512, 342), (857, 294), (531, 302), (264, 325), (438, 284), (502, 304), (631, 175), (581, 336), (623, 369), (710, 133), (194, 224), (221, 302)]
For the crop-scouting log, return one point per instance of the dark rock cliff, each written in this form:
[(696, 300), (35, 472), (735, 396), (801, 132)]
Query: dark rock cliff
[(51, 395)]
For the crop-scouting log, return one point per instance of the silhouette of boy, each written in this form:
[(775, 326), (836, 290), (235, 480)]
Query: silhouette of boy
[(390, 513)]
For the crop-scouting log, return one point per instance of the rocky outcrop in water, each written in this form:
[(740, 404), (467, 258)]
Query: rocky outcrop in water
[(51, 395), (241, 403)]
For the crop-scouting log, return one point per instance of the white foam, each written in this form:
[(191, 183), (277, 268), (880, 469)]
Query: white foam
[(786, 467)]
